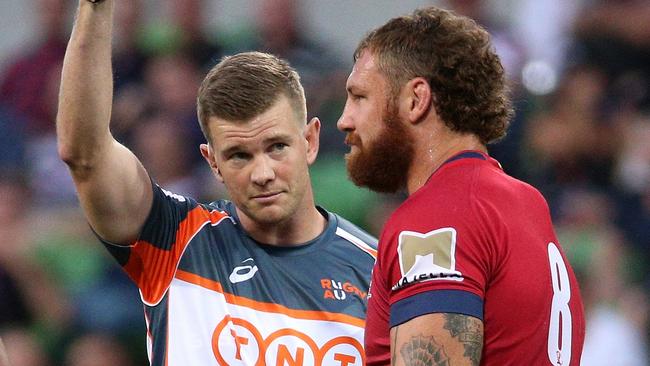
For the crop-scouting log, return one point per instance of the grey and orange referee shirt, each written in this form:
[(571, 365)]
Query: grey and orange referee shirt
[(213, 295)]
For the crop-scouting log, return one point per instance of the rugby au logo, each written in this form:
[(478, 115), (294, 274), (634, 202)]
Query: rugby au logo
[(339, 290), (426, 257)]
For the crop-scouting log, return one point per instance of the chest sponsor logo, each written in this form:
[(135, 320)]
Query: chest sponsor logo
[(338, 290), (208, 327), (244, 272), (425, 257), (236, 341)]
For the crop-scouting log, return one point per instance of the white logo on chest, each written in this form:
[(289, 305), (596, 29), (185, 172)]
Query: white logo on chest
[(243, 273)]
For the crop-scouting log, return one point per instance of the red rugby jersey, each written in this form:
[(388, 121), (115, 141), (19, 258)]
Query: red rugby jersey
[(476, 241)]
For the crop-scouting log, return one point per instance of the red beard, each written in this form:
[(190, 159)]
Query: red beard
[(383, 164)]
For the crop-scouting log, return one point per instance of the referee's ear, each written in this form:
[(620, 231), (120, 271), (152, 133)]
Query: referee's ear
[(208, 155), (312, 139)]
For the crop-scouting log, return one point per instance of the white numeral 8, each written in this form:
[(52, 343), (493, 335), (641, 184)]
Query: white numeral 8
[(559, 332)]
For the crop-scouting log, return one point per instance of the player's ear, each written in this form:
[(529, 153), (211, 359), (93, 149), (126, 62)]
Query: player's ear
[(312, 139), (417, 96), (208, 155)]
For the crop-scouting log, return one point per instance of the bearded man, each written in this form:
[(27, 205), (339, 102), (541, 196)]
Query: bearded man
[(469, 271)]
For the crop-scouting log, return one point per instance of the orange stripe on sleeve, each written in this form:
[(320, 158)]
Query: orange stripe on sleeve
[(152, 268)]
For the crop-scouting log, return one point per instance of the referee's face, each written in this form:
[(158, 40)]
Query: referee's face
[(263, 163)]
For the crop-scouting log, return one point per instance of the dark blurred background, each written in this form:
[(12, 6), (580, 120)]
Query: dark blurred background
[(580, 78)]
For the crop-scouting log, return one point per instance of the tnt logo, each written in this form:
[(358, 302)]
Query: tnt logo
[(236, 341), (338, 290)]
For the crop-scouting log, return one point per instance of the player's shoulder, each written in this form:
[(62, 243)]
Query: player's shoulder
[(475, 180), (457, 193), (355, 237), (222, 205), (181, 206), (343, 227), (166, 193), (494, 185)]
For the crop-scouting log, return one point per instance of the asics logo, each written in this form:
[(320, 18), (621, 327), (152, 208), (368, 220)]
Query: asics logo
[(243, 273)]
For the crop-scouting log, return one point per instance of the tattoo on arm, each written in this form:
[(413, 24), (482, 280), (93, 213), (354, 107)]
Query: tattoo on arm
[(468, 331), (422, 351)]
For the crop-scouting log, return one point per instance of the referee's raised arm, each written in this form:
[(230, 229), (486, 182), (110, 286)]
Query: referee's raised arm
[(113, 187)]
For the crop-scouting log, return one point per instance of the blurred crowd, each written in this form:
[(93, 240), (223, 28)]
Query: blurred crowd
[(581, 135)]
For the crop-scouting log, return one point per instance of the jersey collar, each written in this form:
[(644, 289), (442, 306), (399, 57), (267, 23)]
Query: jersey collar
[(467, 154)]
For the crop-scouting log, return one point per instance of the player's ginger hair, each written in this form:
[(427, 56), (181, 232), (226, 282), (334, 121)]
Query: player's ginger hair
[(454, 55)]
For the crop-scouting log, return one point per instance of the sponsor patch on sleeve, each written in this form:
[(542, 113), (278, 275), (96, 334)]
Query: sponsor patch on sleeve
[(427, 257)]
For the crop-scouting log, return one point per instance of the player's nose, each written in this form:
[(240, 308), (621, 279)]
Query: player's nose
[(345, 121), (263, 171)]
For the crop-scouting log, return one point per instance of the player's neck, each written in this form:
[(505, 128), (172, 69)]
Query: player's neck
[(303, 226), (432, 153)]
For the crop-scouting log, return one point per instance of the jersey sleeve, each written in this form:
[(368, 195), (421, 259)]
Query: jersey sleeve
[(151, 261), (438, 263)]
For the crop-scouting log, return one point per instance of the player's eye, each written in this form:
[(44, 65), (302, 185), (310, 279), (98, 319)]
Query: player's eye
[(278, 146), (356, 96), (238, 156)]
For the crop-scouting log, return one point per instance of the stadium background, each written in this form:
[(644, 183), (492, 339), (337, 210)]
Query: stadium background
[(580, 74)]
